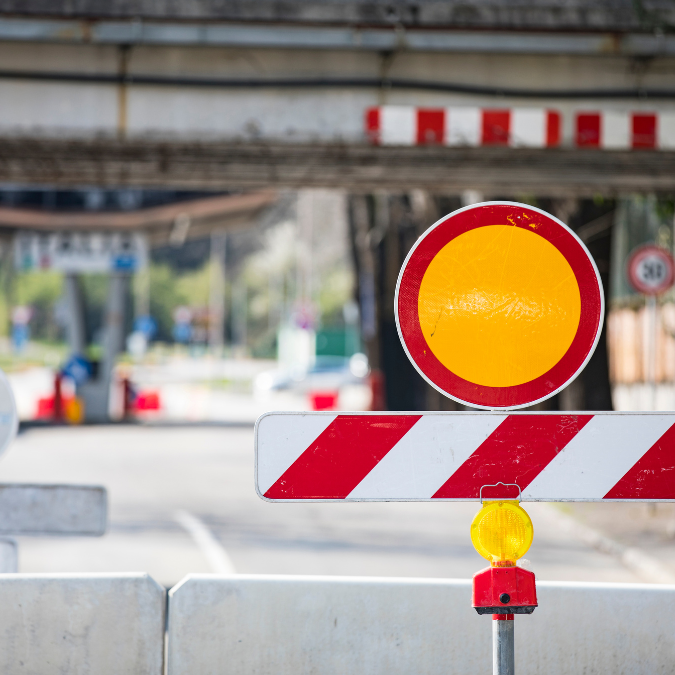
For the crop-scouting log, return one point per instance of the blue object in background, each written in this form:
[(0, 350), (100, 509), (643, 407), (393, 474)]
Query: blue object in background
[(182, 332), (146, 325), (20, 336), (124, 263), (78, 369)]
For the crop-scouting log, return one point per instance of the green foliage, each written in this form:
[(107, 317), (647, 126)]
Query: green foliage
[(40, 290), (336, 291), (95, 288), (164, 298), (169, 290), (194, 286), (33, 288)]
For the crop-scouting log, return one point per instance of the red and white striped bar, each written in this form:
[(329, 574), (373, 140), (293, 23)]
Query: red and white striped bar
[(449, 456), (519, 127), (614, 130), (515, 127)]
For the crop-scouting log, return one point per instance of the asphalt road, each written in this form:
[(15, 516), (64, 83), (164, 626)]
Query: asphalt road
[(182, 500)]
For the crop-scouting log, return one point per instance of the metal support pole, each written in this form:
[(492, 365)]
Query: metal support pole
[(114, 321), (503, 657), (96, 393), (217, 291), (77, 342), (653, 330), (142, 292)]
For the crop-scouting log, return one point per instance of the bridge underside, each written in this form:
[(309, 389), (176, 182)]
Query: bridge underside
[(495, 171)]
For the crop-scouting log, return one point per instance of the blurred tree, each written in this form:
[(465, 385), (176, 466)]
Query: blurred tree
[(164, 298), (337, 288), (169, 290), (194, 286), (41, 291)]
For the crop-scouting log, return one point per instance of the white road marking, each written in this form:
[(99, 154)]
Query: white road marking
[(213, 551)]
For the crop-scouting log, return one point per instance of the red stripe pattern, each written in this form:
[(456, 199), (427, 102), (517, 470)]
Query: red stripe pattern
[(341, 457), (519, 127), (550, 457), (403, 125), (510, 456), (652, 476)]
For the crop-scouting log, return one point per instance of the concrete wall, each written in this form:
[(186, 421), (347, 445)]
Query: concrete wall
[(290, 625), (81, 624), (274, 625), (598, 628), (304, 114)]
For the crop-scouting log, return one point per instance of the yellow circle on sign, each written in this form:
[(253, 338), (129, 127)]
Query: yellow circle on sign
[(499, 305), (502, 531)]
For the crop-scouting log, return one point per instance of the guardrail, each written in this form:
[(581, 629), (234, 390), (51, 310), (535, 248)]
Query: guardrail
[(115, 624)]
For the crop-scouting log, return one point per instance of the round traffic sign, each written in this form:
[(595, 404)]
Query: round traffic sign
[(650, 270), (499, 305), (9, 420)]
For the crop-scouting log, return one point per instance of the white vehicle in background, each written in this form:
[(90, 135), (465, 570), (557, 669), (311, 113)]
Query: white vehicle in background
[(331, 383)]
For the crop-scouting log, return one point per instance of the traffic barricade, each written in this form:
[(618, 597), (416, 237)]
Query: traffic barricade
[(81, 624), (285, 625)]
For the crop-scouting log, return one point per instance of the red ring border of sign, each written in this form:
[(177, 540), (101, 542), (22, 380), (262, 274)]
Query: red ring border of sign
[(633, 260), (499, 398)]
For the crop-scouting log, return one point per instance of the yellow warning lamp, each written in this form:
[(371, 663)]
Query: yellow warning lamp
[(502, 532)]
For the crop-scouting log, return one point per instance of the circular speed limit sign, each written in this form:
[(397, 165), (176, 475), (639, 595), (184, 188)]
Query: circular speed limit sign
[(651, 270)]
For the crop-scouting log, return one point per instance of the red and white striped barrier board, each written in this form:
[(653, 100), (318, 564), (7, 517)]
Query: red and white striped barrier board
[(614, 130), (519, 127), (516, 127), (451, 456)]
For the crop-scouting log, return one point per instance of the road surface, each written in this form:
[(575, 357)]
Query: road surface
[(182, 500)]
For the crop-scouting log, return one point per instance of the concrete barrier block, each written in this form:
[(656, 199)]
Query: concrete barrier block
[(9, 556), (81, 624), (68, 510), (598, 628), (273, 625)]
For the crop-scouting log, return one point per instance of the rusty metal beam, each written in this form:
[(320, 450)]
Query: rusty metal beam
[(109, 162), (584, 15)]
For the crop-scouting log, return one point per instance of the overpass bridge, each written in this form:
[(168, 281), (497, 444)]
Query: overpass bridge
[(210, 94)]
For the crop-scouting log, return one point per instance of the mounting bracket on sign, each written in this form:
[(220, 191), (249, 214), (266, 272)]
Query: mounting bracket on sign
[(520, 492)]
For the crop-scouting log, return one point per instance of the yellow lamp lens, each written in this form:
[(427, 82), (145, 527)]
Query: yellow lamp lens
[(502, 531)]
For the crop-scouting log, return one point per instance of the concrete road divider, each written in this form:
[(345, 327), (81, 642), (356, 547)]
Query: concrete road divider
[(274, 625), (77, 510), (598, 628), (9, 557), (328, 625), (81, 624)]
